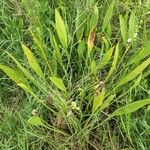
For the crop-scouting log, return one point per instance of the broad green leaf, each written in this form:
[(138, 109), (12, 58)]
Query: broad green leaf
[(57, 53), (106, 58), (32, 61), (93, 67), (108, 15), (80, 24), (136, 83), (36, 121), (98, 100), (14, 74), (107, 102), (94, 18), (40, 46), (61, 29), (129, 108), (106, 43), (133, 74), (132, 25), (24, 87), (81, 49), (139, 55), (59, 83), (25, 71), (109, 31), (114, 63), (90, 3), (123, 28)]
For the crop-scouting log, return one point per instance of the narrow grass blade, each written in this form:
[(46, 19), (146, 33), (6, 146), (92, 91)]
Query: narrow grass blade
[(133, 74), (98, 100), (59, 83), (32, 61), (61, 29), (108, 15)]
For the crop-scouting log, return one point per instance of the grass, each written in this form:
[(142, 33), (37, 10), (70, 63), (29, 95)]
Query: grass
[(74, 75)]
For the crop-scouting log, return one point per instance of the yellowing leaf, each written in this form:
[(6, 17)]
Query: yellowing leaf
[(59, 83), (36, 121), (98, 100), (61, 29), (91, 39), (32, 61)]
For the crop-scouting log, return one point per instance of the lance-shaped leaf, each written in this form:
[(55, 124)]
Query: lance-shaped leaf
[(14, 74), (32, 61), (114, 63), (107, 102), (106, 58), (91, 39), (94, 18), (108, 15), (61, 29), (132, 25), (129, 108), (98, 100), (59, 83), (80, 24), (133, 74), (123, 28)]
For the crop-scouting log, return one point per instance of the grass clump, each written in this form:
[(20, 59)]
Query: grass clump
[(81, 70)]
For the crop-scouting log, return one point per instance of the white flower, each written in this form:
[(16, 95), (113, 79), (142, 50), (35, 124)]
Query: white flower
[(34, 112), (129, 40), (73, 105), (135, 35)]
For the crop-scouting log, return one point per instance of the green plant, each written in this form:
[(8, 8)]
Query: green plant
[(65, 76)]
